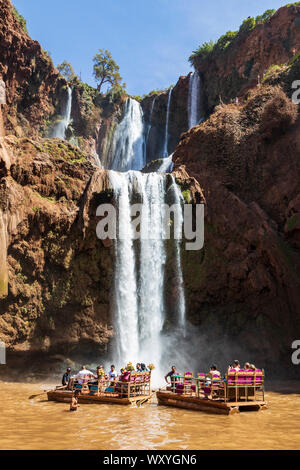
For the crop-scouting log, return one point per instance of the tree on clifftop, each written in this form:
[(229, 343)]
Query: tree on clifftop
[(106, 69), (66, 70)]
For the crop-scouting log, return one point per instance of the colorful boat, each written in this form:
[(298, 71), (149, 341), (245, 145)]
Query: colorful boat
[(237, 391), (134, 388)]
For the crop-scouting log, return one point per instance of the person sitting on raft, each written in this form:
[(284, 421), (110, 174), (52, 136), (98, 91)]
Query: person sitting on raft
[(66, 378), (214, 371), (84, 374), (74, 403), (100, 372), (235, 366)]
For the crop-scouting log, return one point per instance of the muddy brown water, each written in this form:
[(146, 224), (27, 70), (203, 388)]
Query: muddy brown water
[(41, 425)]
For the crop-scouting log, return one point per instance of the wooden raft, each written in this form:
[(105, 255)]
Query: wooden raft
[(208, 406), (66, 397), (241, 390)]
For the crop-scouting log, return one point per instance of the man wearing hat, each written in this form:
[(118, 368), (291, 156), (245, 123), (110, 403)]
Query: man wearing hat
[(66, 377)]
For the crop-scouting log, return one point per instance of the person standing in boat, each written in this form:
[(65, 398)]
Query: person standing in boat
[(173, 374), (112, 373), (84, 374), (66, 378)]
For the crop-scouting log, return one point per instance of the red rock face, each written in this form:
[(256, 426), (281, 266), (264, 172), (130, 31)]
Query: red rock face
[(32, 82), (236, 70), (245, 285), (56, 300)]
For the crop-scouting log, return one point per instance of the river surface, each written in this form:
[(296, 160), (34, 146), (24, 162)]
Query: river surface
[(41, 425)]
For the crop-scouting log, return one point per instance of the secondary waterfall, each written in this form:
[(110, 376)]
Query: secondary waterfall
[(128, 146), (150, 119), (166, 142), (194, 99), (60, 128), (178, 236), (167, 165)]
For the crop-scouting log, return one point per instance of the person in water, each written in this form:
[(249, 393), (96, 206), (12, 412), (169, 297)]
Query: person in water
[(66, 377), (74, 403)]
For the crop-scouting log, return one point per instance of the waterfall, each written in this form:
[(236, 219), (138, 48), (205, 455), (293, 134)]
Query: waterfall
[(167, 165), (128, 146), (165, 150), (152, 263), (181, 309), (139, 293), (139, 276), (125, 287), (194, 99), (60, 128), (150, 119)]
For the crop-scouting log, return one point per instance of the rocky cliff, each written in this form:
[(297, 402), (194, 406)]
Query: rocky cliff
[(59, 273), (34, 89), (239, 59), (246, 281), (55, 275)]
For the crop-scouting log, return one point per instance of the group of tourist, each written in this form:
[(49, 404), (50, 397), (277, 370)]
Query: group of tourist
[(235, 366), (100, 374), (85, 375)]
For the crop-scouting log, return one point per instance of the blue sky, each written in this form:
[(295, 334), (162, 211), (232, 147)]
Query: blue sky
[(151, 40)]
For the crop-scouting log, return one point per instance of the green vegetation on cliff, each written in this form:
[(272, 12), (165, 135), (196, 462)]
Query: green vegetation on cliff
[(21, 19), (213, 48)]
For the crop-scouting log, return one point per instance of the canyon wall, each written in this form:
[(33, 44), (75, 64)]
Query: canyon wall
[(234, 67), (242, 288), (246, 282)]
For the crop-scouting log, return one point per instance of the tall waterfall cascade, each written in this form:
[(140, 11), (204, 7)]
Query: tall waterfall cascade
[(139, 286), (166, 141), (139, 277), (60, 128), (128, 147), (194, 100)]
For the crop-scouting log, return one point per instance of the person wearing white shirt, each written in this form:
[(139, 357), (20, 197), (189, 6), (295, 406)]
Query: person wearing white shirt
[(84, 374), (112, 373)]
